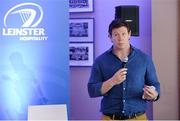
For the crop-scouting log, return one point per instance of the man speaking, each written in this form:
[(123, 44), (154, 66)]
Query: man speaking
[(124, 76)]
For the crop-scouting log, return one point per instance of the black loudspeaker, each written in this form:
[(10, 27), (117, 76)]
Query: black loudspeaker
[(129, 14)]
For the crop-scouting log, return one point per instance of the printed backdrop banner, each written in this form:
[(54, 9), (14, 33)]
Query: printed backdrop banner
[(34, 55)]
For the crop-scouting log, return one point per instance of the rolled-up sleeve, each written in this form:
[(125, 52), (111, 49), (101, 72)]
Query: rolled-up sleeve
[(95, 81), (151, 76)]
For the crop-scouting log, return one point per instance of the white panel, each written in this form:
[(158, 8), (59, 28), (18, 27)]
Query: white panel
[(47, 112)]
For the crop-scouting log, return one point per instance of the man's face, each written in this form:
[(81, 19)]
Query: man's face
[(120, 37)]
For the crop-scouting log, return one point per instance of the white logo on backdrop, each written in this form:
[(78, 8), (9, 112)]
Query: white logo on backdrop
[(27, 15), (31, 15)]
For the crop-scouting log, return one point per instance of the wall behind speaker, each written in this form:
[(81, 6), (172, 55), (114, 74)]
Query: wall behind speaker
[(129, 14)]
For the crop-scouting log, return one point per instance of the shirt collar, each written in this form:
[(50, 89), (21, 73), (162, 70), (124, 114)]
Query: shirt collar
[(131, 54)]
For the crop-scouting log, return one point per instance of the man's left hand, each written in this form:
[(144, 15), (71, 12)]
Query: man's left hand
[(150, 93)]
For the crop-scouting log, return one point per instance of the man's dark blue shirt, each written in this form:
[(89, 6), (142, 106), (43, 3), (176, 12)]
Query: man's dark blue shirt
[(125, 98)]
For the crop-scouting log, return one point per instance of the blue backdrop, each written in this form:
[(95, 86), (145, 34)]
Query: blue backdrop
[(34, 55)]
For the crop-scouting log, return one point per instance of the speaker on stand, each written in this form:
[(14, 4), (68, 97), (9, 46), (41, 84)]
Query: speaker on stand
[(129, 14)]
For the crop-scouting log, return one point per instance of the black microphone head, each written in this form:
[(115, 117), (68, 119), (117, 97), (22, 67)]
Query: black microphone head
[(124, 62)]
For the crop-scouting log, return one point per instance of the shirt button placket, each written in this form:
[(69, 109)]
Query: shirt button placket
[(124, 91)]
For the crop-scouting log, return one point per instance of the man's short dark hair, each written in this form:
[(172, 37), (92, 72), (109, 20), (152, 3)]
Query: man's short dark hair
[(116, 23)]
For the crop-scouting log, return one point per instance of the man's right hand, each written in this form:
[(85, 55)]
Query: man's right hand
[(119, 76)]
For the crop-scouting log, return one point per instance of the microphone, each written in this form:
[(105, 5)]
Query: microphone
[(124, 62)]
